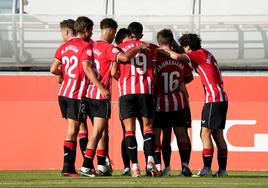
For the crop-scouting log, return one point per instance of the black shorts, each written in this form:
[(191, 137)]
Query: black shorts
[(98, 108), (181, 118), (72, 108), (136, 105), (214, 115)]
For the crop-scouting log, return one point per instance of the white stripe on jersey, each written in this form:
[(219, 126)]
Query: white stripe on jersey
[(149, 85), (220, 92), (141, 85), (61, 87), (209, 85), (98, 94), (166, 104), (212, 92), (81, 89), (124, 86), (91, 92), (132, 84), (175, 101), (72, 90), (207, 95), (68, 84)]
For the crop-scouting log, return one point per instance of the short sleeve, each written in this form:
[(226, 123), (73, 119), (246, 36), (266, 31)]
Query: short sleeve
[(193, 57), (87, 54), (58, 55), (112, 53)]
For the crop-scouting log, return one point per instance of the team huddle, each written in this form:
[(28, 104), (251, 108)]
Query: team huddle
[(152, 89)]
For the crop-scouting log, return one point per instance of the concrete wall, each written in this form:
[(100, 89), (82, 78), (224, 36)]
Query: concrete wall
[(147, 7)]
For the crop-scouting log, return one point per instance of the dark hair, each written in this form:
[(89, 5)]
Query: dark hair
[(69, 24), (121, 35), (82, 23), (165, 36), (191, 40), (108, 23), (135, 28)]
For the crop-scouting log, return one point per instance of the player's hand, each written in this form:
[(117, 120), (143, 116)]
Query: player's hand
[(105, 93), (60, 79), (163, 52)]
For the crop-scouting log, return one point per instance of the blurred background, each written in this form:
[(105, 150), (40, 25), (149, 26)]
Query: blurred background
[(234, 30)]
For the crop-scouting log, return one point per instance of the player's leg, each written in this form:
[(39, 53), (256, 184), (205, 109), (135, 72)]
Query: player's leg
[(166, 149), (145, 105), (208, 149), (222, 152), (220, 117), (184, 145), (124, 154), (206, 138), (100, 124), (101, 153), (128, 114), (100, 111), (182, 121), (70, 148), (83, 137), (157, 154), (131, 144), (69, 109)]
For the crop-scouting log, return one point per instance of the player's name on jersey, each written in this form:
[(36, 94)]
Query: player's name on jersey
[(96, 52), (169, 62), (129, 46), (68, 48)]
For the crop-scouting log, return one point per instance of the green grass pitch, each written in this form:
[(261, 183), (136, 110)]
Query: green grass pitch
[(51, 178)]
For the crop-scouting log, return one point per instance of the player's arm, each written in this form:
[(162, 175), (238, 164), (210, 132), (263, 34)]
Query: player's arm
[(173, 55), (91, 75), (54, 67), (115, 71), (176, 47), (124, 57)]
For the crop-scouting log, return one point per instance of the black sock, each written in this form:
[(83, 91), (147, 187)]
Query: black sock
[(83, 140), (207, 157), (157, 154), (222, 158), (101, 160), (124, 154), (166, 152), (157, 157), (185, 155), (185, 152), (88, 159), (131, 144), (149, 142), (69, 156)]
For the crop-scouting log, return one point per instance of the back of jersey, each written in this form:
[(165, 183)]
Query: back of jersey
[(71, 55), (104, 55), (136, 76), (169, 93)]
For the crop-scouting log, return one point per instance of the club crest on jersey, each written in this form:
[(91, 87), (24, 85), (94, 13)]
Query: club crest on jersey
[(89, 52), (96, 52), (115, 50)]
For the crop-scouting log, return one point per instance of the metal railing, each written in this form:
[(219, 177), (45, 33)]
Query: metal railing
[(238, 42)]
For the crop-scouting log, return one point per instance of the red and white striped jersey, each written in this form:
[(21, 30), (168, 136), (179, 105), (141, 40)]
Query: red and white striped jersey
[(136, 76), (104, 55), (71, 54), (170, 76), (206, 66)]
